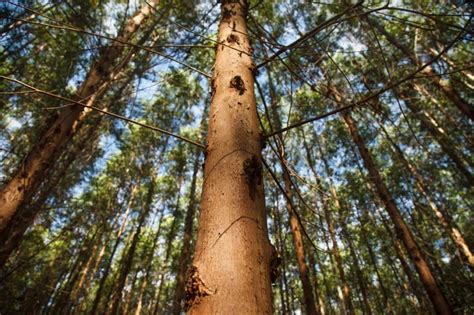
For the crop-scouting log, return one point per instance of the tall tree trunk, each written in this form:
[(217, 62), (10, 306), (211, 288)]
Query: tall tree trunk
[(317, 292), (360, 276), (185, 256), (148, 267), (26, 179), (169, 241), (442, 217), (386, 307), (309, 301), (432, 288), (280, 245), (98, 294), (295, 226), (446, 145), (346, 291), (340, 267), (126, 264), (231, 266), (11, 235)]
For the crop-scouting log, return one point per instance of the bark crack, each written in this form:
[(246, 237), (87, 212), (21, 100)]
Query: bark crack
[(234, 222)]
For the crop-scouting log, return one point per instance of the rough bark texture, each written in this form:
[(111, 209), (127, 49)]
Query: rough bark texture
[(34, 166), (432, 288), (231, 267)]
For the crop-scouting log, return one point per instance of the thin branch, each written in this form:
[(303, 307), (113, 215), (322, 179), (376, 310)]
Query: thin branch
[(104, 112)]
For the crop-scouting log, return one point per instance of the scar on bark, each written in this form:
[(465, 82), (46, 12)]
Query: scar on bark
[(195, 289), (227, 14), (253, 174), (232, 38), (238, 84)]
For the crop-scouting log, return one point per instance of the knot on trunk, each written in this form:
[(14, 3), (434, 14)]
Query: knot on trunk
[(227, 13), (238, 84), (195, 289), (232, 38)]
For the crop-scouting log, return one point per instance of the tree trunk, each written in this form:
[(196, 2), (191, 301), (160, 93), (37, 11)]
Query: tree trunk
[(346, 291), (298, 243), (432, 288), (442, 217), (148, 267), (360, 276), (446, 145), (25, 180), (231, 267), (169, 241), (309, 301), (340, 268), (185, 256), (98, 294), (280, 245), (12, 234), (126, 264)]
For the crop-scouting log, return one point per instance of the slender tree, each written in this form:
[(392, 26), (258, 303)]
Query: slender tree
[(23, 183), (231, 266)]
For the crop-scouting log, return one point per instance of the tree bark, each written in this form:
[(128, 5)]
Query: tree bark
[(432, 288), (231, 267)]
